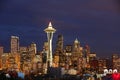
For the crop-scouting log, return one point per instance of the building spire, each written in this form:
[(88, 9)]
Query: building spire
[(76, 40), (50, 25)]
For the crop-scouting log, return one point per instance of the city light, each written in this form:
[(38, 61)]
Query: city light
[(68, 60)]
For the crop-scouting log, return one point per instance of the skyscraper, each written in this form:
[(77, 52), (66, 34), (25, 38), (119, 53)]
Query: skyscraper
[(77, 49), (50, 30), (1, 50), (76, 46), (87, 53), (59, 50), (59, 44), (33, 48), (44, 52), (14, 44)]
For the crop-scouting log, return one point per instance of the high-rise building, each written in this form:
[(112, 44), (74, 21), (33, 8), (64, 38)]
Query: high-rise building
[(45, 57), (59, 44), (44, 52), (77, 49), (58, 56), (14, 44), (33, 48), (45, 46), (1, 50), (87, 53), (77, 56), (68, 53), (4, 61), (76, 46)]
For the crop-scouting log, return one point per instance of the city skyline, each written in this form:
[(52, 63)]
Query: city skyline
[(95, 23)]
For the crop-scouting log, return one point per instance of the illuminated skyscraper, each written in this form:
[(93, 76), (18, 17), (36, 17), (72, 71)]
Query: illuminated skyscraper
[(50, 30), (76, 46), (77, 49), (33, 48), (59, 44), (87, 53), (14, 44), (59, 50), (1, 50), (44, 52)]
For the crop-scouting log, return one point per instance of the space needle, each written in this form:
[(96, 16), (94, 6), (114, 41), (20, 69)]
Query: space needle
[(50, 30)]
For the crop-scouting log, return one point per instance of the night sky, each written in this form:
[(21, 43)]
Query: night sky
[(92, 22)]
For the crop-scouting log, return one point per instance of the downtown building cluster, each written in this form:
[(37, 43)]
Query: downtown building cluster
[(27, 58)]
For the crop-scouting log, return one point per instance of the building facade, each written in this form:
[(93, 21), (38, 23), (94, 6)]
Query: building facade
[(58, 55), (116, 61), (14, 44)]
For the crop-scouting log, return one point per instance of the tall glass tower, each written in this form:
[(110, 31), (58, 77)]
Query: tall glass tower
[(49, 30), (14, 44)]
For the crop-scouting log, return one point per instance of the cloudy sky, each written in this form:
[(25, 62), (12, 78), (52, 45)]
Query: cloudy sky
[(93, 22)]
